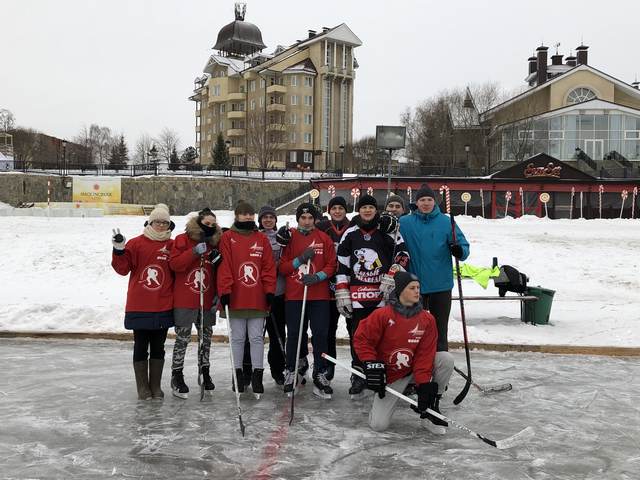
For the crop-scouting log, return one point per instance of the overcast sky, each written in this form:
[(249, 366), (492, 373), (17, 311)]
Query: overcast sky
[(130, 64)]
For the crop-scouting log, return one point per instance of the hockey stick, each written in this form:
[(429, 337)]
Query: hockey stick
[(509, 442), (233, 369), (467, 384), (275, 329), (201, 332), (295, 382), (488, 389)]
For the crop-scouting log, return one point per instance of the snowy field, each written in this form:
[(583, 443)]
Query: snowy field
[(69, 411), (56, 277)]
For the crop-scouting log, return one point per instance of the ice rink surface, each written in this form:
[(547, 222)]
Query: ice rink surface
[(68, 410)]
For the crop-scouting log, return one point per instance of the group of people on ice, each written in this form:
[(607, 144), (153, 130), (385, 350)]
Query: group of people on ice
[(388, 273)]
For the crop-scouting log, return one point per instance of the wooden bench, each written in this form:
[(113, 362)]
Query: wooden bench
[(519, 298)]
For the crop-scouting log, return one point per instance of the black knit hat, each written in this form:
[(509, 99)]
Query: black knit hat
[(306, 208), (337, 201), (402, 279), (395, 198), (244, 208), (367, 200), (266, 210), (425, 191)]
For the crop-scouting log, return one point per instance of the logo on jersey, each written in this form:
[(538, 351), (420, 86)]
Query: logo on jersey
[(248, 274), (390, 322), (368, 266), (195, 280), (365, 293), (400, 359), (317, 247), (164, 250), (303, 270), (151, 277), (256, 250)]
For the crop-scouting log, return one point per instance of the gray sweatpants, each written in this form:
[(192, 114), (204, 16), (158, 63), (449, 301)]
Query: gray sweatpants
[(382, 409), (254, 329)]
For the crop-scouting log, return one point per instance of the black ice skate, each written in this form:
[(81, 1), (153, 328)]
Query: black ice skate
[(322, 386), (358, 385), (209, 387), (289, 378), (432, 423), (240, 381), (178, 387), (256, 382)]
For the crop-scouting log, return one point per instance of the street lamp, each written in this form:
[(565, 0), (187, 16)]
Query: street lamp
[(64, 157), (466, 149), (230, 165), (341, 147)]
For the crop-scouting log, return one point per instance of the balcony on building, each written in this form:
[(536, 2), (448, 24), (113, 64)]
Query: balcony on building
[(236, 132), (276, 89), (236, 150), (280, 127), (236, 114), (276, 107), (236, 96)]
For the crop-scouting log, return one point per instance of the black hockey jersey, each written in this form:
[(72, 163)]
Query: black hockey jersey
[(364, 255), (335, 232)]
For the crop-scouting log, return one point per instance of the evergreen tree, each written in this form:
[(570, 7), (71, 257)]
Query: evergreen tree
[(220, 154), (188, 156), (174, 162), (118, 155)]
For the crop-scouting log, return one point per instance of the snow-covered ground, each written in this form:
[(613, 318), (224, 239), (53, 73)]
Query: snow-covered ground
[(56, 276)]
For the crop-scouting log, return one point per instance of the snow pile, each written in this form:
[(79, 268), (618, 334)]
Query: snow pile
[(56, 276)]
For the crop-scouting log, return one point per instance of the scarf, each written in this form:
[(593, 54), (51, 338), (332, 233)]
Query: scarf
[(404, 310), (151, 234)]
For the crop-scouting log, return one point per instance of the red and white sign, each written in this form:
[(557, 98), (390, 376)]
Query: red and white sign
[(355, 192), (507, 196), (624, 194), (601, 189), (332, 190), (409, 190), (370, 191)]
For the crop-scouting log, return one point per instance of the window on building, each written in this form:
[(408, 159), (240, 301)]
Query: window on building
[(216, 90), (308, 157), (293, 137), (344, 117), (326, 111), (261, 102), (294, 100), (252, 86), (221, 125), (308, 100), (556, 134), (308, 119), (293, 81), (262, 83), (580, 94), (344, 56), (223, 108), (253, 104), (308, 137), (294, 119), (328, 53), (292, 157), (631, 134), (308, 81)]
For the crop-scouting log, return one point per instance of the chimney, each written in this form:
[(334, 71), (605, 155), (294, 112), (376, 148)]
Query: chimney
[(312, 33), (532, 64), (541, 51), (556, 59), (581, 53), (636, 85), (325, 29), (571, 61)]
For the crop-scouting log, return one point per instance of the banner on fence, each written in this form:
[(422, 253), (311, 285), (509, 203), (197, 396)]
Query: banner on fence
[(97, 189)]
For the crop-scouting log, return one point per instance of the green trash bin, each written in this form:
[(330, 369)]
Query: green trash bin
[(538, 312)]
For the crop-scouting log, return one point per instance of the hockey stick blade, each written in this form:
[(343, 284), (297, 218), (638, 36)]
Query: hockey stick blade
[(505, 443), (463, 393), (487, 389)]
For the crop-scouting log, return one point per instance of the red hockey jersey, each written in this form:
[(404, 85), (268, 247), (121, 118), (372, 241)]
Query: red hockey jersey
[(186, 287), (151, 280), (405, 344), (247, 270), (323, 261)]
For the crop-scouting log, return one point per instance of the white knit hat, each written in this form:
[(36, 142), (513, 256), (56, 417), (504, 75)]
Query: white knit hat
[(160, 212)]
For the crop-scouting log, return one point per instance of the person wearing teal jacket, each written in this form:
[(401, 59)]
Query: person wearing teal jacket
[(428, 238)]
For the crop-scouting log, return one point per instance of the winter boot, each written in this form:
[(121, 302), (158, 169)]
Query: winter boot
[(289, 378), (277, 376), (330, 371), (357, 387), (239, 376), (434, 424), (142, 379), (256, 382), (303, 366), (155, 377), (208, 383), (178, 387), (322, 386)]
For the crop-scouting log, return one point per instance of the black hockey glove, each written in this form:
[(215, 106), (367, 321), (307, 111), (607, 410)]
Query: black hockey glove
[(283, 236), (225, 300), (376, 374), (427, 393), (215, 256), (388, 222), (269, 298), (118, 241), (456, 250), (309, 279), (307, 255)]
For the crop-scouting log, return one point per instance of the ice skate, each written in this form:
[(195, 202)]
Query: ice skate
[(322, 386), (209, 387), (256, 383), (289, 378), (178, 387), (240, 381), (358, 385)]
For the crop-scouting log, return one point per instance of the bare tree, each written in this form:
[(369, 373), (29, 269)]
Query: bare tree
[(365, 156), (7, 120), (166, 142), (267, 136), (26, 145), (141, 151)]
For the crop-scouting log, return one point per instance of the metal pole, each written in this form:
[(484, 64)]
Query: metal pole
[(389, 179)]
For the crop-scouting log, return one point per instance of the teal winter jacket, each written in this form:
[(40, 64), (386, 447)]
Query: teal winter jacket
[(427, 238)]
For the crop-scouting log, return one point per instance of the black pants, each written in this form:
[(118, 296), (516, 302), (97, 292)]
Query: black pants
[(334, 316), (143, 340), (439, 304), (277, 333), (352, 325), (317, 315)]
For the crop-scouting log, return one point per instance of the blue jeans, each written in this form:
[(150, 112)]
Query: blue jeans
[(316, 313)]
